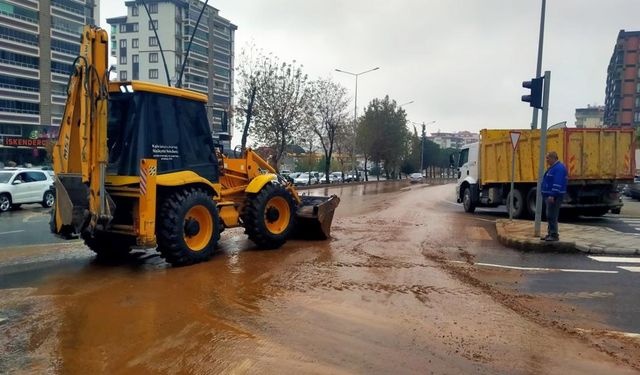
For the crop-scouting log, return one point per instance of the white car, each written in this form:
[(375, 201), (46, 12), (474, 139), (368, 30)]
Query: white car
[(335, 177), (20, 186), (303, 180), (415, 178)]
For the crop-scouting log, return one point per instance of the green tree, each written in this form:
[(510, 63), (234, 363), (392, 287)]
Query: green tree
[(382, 135)]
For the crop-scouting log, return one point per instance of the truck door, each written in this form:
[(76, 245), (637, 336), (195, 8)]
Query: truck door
[(463, 165)]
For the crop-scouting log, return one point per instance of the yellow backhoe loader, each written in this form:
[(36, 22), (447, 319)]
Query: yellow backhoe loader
[(136, 166)]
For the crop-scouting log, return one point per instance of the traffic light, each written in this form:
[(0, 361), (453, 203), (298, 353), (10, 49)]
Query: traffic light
[(535, 85)]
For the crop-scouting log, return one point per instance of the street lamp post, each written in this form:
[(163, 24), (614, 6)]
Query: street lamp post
[(355, 110)]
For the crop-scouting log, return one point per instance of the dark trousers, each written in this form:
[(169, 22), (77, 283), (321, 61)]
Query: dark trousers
[(553, 211)]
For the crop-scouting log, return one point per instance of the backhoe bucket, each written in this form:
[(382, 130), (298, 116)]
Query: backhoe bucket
[(314, 217)]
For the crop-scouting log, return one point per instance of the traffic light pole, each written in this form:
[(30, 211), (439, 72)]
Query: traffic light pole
[(543, 151), (534, 120)]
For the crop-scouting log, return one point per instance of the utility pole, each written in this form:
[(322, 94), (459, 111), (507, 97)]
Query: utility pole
[(422, 149), (534, 120), (543, 151)]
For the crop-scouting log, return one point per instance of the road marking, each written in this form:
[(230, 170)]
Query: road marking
[(535, 268), (632, 335), (630, 269), (615, 259), (13, 231)]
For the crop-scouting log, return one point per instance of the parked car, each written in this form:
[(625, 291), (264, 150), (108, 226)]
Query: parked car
[(303, 180), (19, 186), (416, 178), (335, 177)]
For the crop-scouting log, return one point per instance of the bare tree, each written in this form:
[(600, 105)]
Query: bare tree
[(255, 69), (281, 106), (327, 116), (344, 142)]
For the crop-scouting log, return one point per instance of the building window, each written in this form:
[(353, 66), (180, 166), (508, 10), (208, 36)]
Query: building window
[(134, 10), (153, 8), (134, 59), (153, 41), (123, 59), (123, 43), (152, 24), (123, 75), (128, 27), (134, 43), (153, 57), (638, 88), (153, 73), (636, 117)]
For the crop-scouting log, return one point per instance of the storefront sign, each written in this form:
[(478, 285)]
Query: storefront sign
[(15, 142)]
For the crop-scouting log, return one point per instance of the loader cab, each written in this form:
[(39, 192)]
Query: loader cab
[(163, 123)]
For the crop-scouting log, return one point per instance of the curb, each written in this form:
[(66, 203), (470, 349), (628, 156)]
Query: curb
[(532, 244)]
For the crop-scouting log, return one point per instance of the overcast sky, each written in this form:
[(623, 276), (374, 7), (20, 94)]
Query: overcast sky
[(462, 62)]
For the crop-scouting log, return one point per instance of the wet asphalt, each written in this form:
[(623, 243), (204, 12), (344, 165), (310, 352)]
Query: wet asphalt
[(407, 284)]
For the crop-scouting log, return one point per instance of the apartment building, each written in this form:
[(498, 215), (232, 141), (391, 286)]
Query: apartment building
[(38, 42), (590, 117), (209, 66), (622, 96), (454, 140)]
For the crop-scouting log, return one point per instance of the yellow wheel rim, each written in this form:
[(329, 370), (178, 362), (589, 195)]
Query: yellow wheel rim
[(198, 228), (277, 215)]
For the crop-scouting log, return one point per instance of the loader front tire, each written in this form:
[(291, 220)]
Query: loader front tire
[(188, 227), (269, 216)]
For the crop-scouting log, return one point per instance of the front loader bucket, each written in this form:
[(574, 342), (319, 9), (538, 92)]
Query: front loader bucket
[(314, 217)]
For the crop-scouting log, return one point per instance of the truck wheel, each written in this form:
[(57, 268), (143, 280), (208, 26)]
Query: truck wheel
[(518, 208), (269, 216), (467, 202), (188, 227), (109, 246), (5, 202), (531, 204)]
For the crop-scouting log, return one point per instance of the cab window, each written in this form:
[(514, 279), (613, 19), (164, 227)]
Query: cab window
[(464, 157)]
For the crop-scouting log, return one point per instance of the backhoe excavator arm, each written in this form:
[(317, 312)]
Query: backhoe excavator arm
[(80, 156)]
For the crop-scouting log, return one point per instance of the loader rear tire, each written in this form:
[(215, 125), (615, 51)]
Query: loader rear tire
[(188, 227), (109, 246), (269, 216)]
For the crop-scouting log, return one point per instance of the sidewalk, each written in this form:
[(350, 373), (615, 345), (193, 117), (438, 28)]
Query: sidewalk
[(573, 238)]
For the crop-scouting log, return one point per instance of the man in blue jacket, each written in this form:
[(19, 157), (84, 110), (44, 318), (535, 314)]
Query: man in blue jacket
[(554, 186)]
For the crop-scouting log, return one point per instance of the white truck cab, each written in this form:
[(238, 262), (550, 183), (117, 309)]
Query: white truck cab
[(467, 164)]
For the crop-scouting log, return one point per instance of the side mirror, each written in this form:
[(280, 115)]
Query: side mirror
[(17, 182)]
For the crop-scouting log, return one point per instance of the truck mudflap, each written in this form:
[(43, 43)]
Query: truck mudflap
[(314, 217)]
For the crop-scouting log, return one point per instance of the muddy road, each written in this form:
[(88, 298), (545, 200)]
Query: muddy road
[(394, 291)]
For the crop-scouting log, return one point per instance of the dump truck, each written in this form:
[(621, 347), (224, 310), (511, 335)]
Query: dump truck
[(136, 166), (597, 160)]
